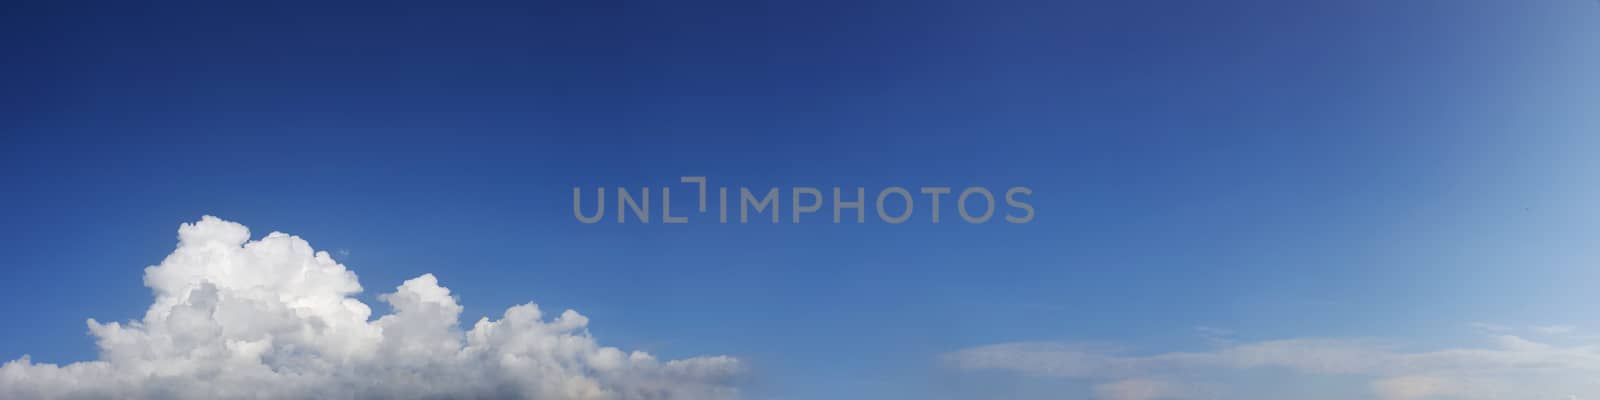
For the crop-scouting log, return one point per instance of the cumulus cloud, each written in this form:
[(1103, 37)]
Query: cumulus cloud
[(1513, 367), (274, 319)]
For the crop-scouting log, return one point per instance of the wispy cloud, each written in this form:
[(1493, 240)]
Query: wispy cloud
[(1152, 389), (1554, 329), (1218, 336), (1511, 367)]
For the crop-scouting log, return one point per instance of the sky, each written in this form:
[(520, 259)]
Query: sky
[(1234, 199)]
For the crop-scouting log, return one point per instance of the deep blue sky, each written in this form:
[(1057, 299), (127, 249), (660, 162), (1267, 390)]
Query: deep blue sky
[(1280, 169)]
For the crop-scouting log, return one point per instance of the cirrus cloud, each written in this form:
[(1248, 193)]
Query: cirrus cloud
[(1512, 367)]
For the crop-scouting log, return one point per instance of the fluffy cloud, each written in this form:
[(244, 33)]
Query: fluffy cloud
[(1513, 367), (273, 318)]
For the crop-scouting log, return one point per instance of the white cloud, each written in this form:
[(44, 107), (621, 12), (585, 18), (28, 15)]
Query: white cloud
[(1150, 389), (272, 318), (1513, 367), (1217, 336), (1491, 328), (1554, 329), (1213, 331), (1420, 387)]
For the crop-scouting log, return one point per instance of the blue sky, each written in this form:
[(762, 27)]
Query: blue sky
[(1277, 170)]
